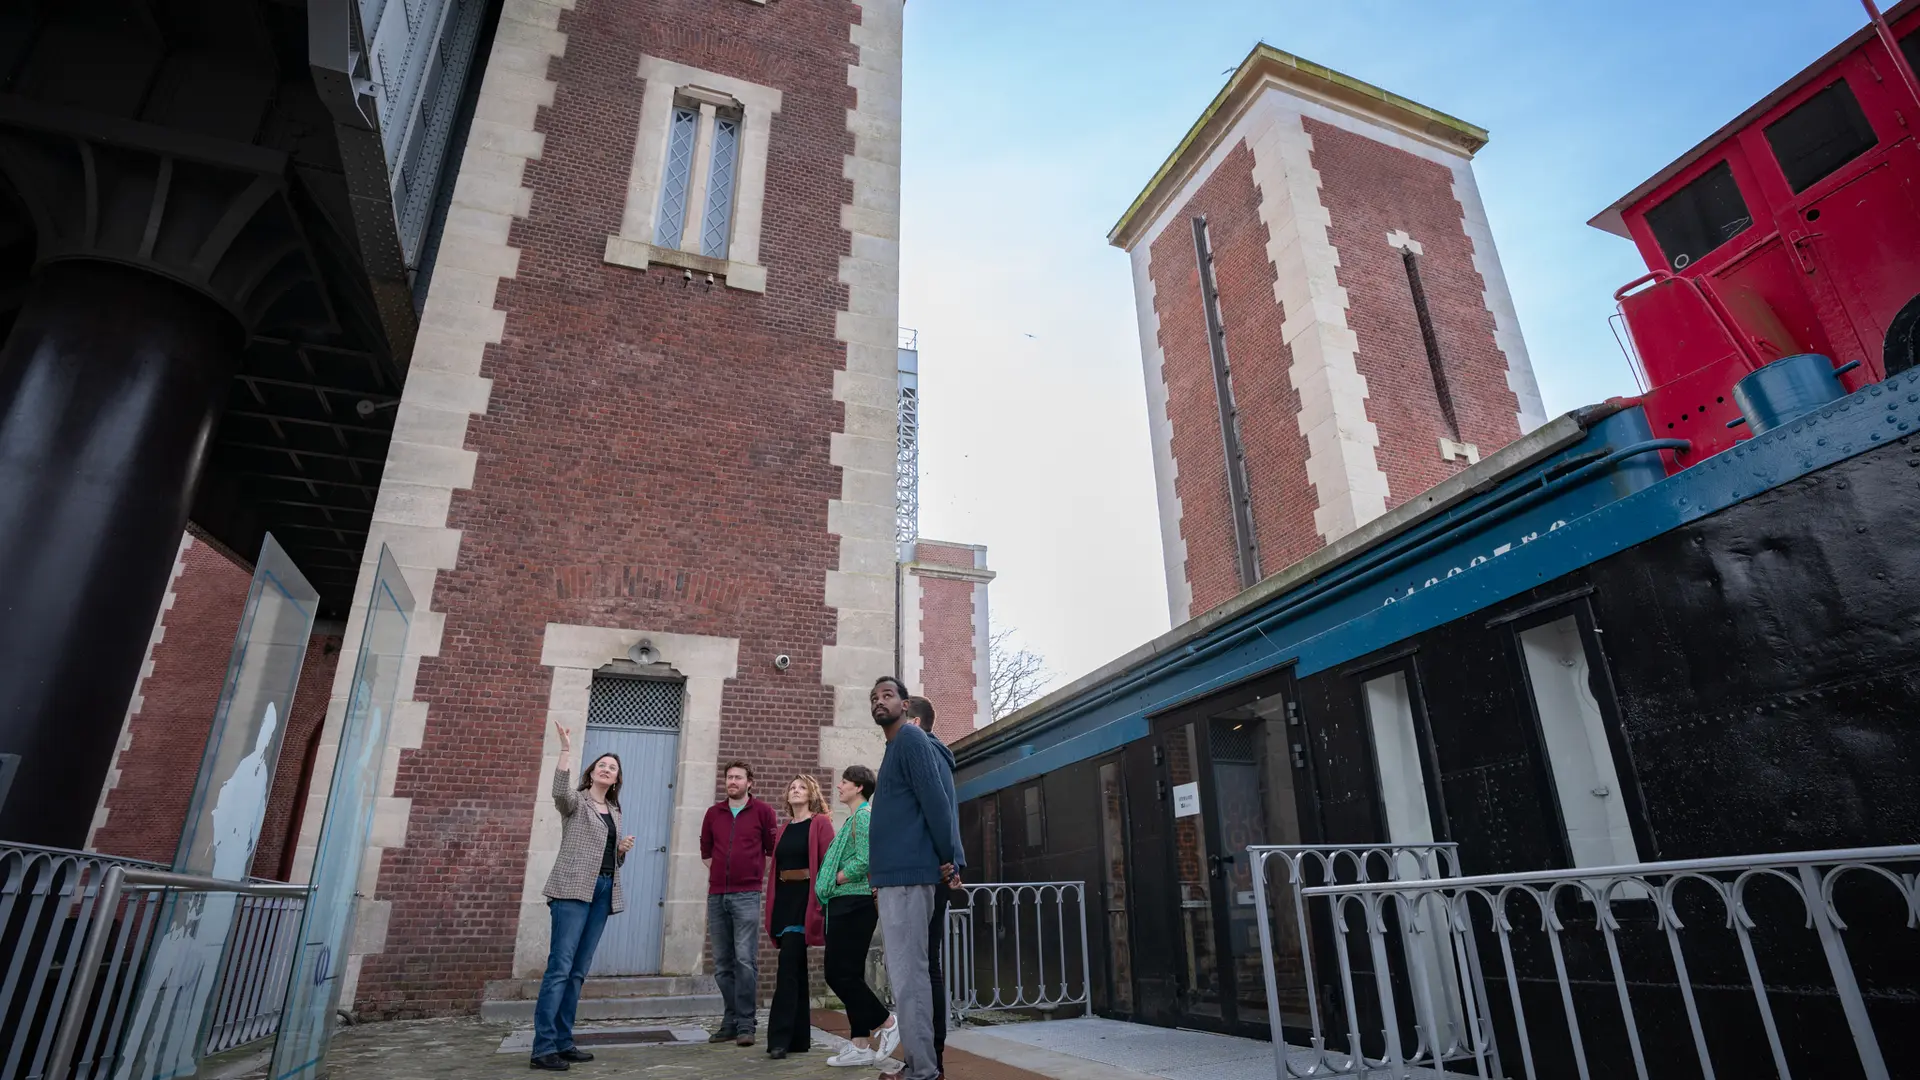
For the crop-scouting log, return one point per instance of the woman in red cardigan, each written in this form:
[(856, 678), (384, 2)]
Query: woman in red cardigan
[(794, 919)]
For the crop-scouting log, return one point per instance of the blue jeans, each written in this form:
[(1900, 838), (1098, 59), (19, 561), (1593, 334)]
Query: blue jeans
[(733, 928), (576, 933)]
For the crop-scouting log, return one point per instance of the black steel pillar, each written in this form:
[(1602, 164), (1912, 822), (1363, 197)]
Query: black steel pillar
[(110, 384)]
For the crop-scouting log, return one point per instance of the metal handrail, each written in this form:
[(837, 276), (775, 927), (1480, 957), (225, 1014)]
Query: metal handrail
[(118, 880), (1811, 876), (1051, 957), (1430, 862), (1594, 873)]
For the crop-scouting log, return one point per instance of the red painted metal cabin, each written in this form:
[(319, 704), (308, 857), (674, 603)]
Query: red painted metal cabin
[(1793, 229)]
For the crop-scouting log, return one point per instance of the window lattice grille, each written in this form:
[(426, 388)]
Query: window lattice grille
[(679, 177), (717, 222), (1233, 745), (648, 704)]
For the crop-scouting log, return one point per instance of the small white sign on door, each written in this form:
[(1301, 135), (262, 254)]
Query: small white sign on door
[(1186, 800)]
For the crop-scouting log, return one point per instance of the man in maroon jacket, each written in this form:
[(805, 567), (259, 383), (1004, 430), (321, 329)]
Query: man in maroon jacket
[(735, 840)]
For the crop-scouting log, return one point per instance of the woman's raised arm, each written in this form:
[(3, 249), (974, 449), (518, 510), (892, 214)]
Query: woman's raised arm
[(564, 796)]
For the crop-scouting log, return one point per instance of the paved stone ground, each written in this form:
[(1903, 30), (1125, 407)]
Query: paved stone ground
[(467, 1048)]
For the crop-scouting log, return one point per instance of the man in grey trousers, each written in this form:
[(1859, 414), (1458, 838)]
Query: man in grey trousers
[(914, 850), (736, 837)]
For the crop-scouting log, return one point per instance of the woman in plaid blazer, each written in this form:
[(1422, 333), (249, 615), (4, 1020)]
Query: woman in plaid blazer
[(582, 890)]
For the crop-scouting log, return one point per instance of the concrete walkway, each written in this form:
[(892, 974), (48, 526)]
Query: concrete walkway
[(472, 1048)]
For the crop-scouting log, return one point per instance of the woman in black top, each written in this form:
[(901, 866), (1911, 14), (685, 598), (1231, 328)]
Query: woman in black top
[(794, 918)]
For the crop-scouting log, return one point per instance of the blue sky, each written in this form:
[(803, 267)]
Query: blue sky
[(1030, 126)]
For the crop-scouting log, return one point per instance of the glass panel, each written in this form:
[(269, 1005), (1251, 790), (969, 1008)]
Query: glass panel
[(1821, 134), (313, 990), (677, 178), (1403, 791), (1236, 785), (1598, 832), (1274, 747), (165, 1029), (1113, 842), (1699, 217), (1195, 890), (1396, 747), (716, 224)]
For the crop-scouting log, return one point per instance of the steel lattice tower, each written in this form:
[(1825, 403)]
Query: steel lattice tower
[(906, 469)]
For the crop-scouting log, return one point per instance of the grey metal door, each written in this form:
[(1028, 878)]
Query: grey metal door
[(638, 719)]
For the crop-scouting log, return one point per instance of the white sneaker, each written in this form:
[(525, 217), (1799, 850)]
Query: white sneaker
[(852, 1055), (887, 1038)]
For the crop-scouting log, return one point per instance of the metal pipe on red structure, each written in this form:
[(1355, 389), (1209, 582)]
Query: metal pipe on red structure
[(1714, 304), (1900, 64)]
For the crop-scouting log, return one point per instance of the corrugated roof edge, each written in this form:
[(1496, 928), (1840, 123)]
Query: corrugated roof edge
[(1265, 58), (1545, 441)]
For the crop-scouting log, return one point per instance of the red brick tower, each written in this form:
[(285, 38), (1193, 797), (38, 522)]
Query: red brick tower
[(943, 632), (648, 432), (1354, 342)]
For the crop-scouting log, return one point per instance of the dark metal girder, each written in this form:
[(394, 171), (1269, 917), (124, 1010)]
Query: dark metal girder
[(383, 434), (375, 396), (322, 481)]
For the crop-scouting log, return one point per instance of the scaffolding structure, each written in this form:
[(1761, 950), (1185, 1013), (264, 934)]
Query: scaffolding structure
[(906, 469)]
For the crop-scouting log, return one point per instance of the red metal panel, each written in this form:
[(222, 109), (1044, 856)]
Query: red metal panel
[(1864, 237), (1697, 406)]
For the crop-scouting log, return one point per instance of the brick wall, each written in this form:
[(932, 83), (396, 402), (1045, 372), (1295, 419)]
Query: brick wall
[(152, 781), (948, 655), (677, 435), (286, 802), (1257, 354), (1370, 190)]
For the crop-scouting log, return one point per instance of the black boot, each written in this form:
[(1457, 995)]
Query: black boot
[(549, 1062), (574, 1053)]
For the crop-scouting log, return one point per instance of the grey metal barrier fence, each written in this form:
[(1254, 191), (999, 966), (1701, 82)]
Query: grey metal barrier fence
[(1451, 1016), (1018, 946), (253, 974), (49, 897), (114, 934), (1624, 944)]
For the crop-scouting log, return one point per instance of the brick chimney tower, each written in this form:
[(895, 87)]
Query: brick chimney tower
[(943, 632), (1324, 325)]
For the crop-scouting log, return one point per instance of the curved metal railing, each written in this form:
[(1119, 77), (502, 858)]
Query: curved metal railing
[(1018, 945), (1636, 912), (1450, 1019), (76, 931), (49, 901)]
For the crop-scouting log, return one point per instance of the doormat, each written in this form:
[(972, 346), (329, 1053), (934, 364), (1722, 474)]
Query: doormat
[(623, 1038), (521, 1042)]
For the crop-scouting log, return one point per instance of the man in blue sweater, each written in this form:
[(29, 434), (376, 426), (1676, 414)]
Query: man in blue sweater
[(914, 850)]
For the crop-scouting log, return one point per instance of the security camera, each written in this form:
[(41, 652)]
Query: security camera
[(783, 661)]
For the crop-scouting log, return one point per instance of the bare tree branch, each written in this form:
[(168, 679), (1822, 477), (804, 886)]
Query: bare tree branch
[(1015, 674)]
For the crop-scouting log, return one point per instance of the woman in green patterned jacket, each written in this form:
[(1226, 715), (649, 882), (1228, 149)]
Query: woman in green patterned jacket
[(851, 918)]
